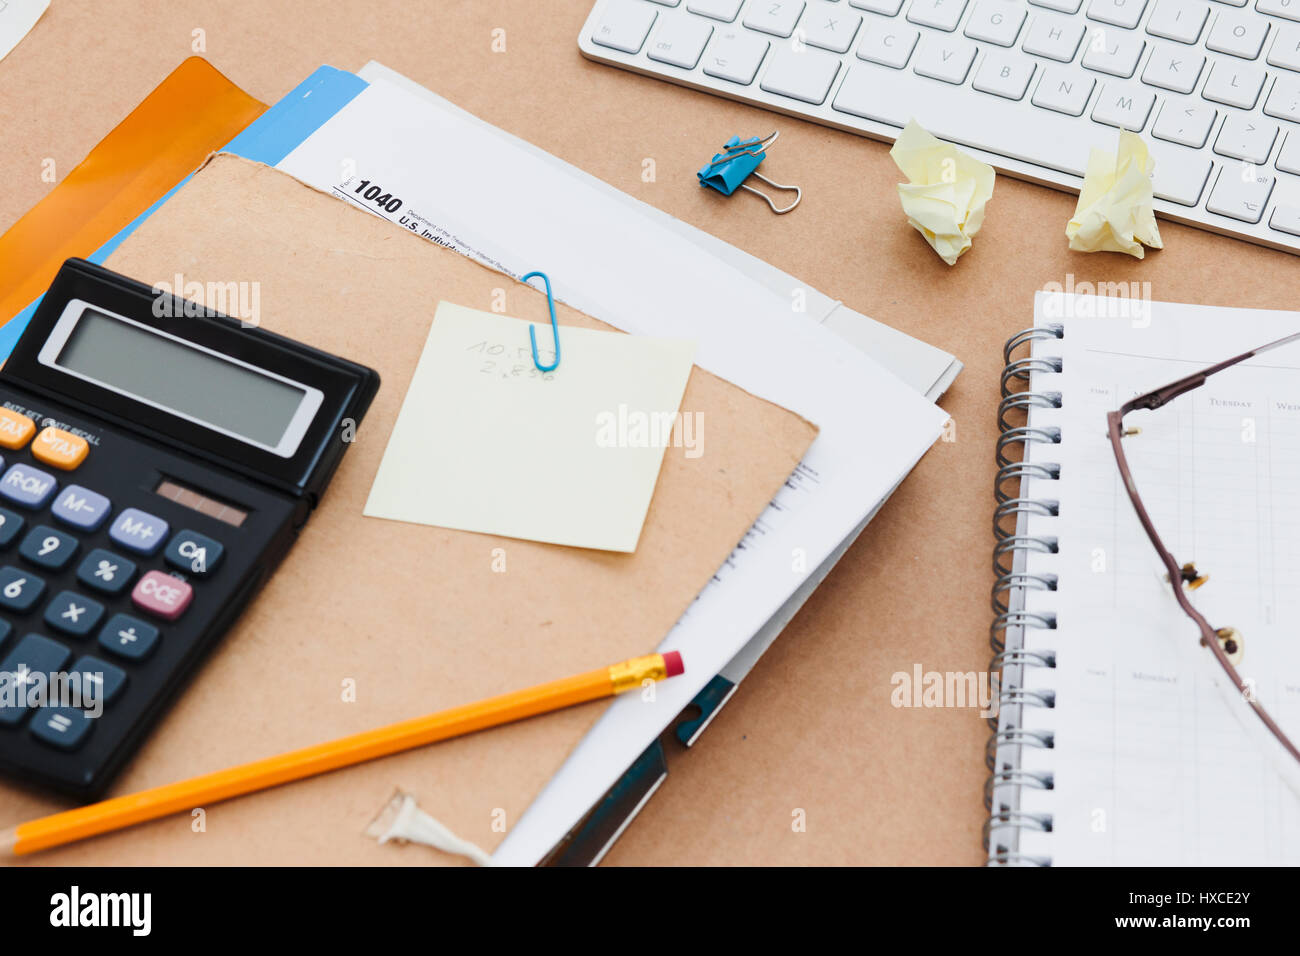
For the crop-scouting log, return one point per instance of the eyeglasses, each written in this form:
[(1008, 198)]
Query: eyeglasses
[(1225, 643)]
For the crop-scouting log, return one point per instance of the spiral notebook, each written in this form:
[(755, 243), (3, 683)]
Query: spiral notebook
[(1117, 742)]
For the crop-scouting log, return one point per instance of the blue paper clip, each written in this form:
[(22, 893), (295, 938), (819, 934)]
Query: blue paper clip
[(739, 160), (555, 329)]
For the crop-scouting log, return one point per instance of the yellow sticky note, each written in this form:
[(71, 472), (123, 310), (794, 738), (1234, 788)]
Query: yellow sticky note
[(486, 442), (946, 193), (1114, 212)]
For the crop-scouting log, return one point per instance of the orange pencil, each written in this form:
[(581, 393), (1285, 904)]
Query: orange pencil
[(121, 812)]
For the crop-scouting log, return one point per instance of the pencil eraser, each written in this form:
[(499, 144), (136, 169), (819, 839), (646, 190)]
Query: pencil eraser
[(673, 663)]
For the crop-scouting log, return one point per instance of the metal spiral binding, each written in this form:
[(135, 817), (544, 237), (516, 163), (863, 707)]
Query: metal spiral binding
[(1005, 746)]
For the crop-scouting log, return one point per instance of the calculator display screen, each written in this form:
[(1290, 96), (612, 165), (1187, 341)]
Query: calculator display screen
[(188, 380)]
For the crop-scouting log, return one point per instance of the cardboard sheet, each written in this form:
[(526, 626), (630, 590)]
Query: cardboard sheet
[(369, 621), (879, 784), (568, 456)]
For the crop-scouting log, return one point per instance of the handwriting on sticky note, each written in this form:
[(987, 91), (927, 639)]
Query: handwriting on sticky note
[(487, 442)]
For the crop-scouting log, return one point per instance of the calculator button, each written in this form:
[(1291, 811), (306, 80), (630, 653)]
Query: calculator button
[(60, 449), (105, 571), (100, 680), (128, 637), (162, 595), (33, 655), (62, 727), (193, 552), (10, 525), (47, 548), (73, 614), (81, 508), (138, 531), (27, 485), (15, 430), (5, 630), (18, 589)]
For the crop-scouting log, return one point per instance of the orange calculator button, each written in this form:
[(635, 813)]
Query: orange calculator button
[(60, 449), (15, 430)]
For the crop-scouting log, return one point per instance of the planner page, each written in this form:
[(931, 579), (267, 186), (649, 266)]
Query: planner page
[(1155, 758)]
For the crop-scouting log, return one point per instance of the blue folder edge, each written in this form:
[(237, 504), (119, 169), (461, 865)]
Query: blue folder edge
[(268, 139)]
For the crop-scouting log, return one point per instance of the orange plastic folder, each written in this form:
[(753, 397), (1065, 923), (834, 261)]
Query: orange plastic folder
[(192, 113)]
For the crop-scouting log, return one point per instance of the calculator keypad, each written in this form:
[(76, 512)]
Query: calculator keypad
[(138, 531), (71, 615), (105, 571), (46, 548), (27, 486)]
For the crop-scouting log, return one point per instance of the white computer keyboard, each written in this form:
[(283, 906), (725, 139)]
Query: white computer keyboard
[(1213, 86)]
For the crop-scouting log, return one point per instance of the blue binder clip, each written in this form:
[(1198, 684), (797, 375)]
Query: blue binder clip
[(739, 160)]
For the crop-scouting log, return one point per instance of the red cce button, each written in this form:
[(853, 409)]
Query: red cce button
[(162, 595)]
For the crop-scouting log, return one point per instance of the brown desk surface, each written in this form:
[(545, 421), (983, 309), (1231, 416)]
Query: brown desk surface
[(812, 728)]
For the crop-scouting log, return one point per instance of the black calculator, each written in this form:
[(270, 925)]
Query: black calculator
[(159, 460)]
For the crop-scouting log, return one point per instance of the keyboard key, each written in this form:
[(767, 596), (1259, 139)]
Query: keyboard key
[(944, 58), (879, 93), (15, 430), (198, 554), (100, 680), (734, 55), (105, 571), (1286, 219), (33, 655), (60, 449), (1246, 138), (1284, 100), (889, 44), (10, 525), (940, 14), (138, 531), (27, 485), (829, 26), (1240, 197), (1064, 89), (1180, 20), (1187, 122), (1113, 51), (1180, 174), (996, 21), (1239, 34), (1119, 13), (804, 75), (1285, 51), (1053, 37), (63, 727), (1290, 9), (47, 548), (889, 8), (1004, 75), (19, 590), (1288, 158), (81, 508), (1063, 6), (724, 10), (776, 17), (1234, 84), (1173, 68), (162, 595), (128, 637), (679, 40), (623, 25), (1123, 105), (73, 614)]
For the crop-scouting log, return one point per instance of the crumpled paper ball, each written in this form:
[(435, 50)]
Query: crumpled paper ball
[(1114, 212), (946, 193)]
